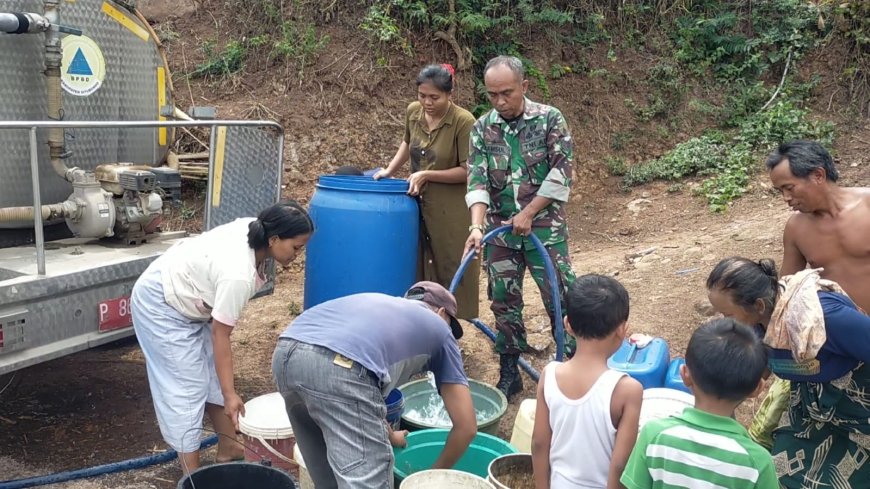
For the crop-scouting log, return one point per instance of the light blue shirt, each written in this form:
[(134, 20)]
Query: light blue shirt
[(393, 337)]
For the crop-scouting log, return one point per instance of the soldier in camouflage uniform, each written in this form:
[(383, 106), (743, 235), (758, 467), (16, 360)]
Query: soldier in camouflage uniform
[(519, 173)]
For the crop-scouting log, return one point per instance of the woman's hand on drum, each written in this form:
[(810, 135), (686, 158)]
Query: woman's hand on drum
[(382, 173)]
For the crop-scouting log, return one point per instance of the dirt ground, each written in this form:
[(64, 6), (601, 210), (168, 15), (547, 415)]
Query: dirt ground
[(95, 407)]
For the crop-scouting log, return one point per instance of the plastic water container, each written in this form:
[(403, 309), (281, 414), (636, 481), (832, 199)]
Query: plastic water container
[(365, 239), (673, 379), (235, 475), (395, 406), (444, 478), (661, 403), (648, 365), (524, 424), (266, 432), (512, 471), (425, 446), (424, 408), (304, 479)]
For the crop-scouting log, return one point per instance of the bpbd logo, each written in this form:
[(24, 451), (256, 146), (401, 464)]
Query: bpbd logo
[(84, 68)]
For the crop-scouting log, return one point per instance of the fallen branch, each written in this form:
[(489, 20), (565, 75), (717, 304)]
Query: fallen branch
[(348, 53), (641, 253), (781, 82), (190, 133), (192, 156), (186, 76)]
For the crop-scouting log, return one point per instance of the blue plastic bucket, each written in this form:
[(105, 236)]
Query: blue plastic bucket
[(395, 407)]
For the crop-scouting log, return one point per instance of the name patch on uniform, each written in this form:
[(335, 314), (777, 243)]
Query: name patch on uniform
[(537, 144), (498, 149)]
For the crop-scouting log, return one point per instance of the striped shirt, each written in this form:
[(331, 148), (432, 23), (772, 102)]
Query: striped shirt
[(698, 450)]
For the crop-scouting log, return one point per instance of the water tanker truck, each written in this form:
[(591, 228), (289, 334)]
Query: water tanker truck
[(87, 121)]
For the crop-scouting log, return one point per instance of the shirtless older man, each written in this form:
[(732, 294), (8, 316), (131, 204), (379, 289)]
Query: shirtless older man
[(830, 231), (832, 227)]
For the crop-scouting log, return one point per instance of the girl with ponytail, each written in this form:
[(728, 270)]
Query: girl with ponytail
[(826, 420), (185, 306), (436, 143)]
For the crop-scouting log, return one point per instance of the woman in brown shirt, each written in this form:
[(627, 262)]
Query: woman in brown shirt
[(436, 142)]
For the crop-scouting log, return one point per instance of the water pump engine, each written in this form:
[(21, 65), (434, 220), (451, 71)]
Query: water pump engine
[(138, 205)]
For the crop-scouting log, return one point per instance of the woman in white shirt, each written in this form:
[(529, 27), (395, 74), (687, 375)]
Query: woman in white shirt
[(185, 306)]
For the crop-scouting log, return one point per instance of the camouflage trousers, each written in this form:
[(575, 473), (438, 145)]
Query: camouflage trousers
[(506, 269)]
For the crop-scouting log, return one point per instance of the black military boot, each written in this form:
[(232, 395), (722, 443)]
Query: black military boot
[(510, 381)]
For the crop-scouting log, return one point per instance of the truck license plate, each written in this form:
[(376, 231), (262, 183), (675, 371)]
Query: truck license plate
[(115, 314)]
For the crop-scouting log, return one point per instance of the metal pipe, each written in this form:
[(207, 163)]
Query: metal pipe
[(280, 164), (13, 23), (37, 204), (209, 192), (23, 23), (133, 124), (53, 58)]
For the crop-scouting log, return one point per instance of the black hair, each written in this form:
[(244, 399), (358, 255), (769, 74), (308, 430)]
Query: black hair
[(746, 281), (438, 76), (285, 220), (804, 157), (348, 170), (596, 305), (714, 350)]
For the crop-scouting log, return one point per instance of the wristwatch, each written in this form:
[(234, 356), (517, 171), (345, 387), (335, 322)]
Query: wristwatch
[(479, 227)]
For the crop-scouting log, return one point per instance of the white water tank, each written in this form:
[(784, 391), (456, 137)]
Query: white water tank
[(113, 72)]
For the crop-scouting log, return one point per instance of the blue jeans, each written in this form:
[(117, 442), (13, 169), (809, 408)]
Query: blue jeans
[(338, 416)]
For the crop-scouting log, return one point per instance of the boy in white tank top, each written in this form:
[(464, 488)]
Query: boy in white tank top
[(587, 415)]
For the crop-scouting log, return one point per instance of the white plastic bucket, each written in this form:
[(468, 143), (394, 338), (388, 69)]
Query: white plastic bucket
[(267, 433), (663, 402), (443, 478)]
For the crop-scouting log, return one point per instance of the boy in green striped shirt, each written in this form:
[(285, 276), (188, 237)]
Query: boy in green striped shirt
[(704, 447)]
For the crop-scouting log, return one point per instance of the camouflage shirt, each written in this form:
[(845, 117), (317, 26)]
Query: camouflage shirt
[(509, 163)]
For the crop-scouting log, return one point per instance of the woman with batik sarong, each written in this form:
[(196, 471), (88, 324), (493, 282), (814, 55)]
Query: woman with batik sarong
[(820, 341)]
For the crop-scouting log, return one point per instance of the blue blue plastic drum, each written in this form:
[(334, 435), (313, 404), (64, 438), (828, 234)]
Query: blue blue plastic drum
[(365, 239)]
